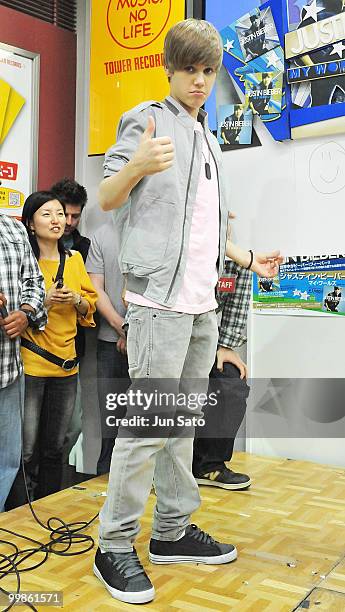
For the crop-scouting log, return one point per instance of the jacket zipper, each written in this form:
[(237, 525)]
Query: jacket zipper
[(221, 264), (184, 222)]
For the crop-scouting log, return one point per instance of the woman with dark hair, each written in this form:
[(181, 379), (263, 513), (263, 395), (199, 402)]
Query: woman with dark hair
[(50, 362)]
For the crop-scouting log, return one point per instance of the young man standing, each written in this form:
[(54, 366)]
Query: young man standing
[(167, 164)]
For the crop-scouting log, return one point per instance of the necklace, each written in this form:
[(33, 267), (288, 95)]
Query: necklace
[(207, 164)]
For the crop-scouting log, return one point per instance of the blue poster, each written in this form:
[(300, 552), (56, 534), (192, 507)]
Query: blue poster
[(257, 37), (253, 36), (235, 123), (305, 284)]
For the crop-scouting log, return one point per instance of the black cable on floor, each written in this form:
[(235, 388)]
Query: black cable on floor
[(61, 535)]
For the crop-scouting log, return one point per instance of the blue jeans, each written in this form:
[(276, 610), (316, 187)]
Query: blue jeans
[(11, 404), (49, 404), (112, 368)]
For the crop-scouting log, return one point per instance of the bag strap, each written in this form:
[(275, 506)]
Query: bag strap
[(59, 274), (65, 364)]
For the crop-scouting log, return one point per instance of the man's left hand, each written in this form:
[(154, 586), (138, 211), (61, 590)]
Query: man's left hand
[(227, 355), (15, 324), (121, 345), (267, 264)]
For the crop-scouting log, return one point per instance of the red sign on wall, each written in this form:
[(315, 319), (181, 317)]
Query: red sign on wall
[(8, 171)]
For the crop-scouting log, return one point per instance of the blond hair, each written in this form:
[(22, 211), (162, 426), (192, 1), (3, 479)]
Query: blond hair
[(190, 42)]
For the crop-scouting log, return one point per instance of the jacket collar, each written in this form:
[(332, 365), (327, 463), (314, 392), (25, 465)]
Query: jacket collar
[(180, 111)]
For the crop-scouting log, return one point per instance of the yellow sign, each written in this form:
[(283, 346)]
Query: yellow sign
[(11, 198), (11, 103), (126, 64), (4, 95)]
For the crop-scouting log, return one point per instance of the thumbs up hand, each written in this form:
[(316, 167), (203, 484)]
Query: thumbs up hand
[(153, 154), (150, 129)]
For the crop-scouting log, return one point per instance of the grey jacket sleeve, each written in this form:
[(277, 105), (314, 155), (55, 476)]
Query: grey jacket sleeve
[(130, 129)]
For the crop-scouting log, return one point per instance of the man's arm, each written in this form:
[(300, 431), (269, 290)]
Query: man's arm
[(32, 297), (264, 264), (33, 288), (151, 156), (104, 305), (95, 266)]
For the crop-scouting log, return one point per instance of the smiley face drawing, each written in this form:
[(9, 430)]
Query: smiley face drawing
[(327, 168)]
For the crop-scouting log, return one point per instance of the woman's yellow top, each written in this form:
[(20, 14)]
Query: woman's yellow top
[(59, 333)]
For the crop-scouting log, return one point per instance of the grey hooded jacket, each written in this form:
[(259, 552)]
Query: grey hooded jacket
[(156, 233)]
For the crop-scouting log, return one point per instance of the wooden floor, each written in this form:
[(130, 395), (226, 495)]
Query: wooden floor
[(289, 528)]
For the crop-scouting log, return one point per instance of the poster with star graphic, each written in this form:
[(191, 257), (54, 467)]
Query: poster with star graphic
[(305, 36), (257, 33), (311, 11), (306, 285), (252, 39), (272, 61), (316, 66)]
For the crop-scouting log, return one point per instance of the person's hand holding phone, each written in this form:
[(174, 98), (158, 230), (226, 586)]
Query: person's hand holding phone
[(59, 293), (62, 295)]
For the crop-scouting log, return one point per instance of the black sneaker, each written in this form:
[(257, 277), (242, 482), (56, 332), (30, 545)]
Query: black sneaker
[(124, 576), (196, 546), (225, 479)]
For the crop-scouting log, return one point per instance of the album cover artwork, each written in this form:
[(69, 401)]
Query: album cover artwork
[(264, 92), (257, 33), (235, 124)]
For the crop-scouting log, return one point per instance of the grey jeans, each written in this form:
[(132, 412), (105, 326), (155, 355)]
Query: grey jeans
[(161, 345)]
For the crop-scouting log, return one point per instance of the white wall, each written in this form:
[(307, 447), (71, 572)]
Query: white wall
[(278, 193)]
